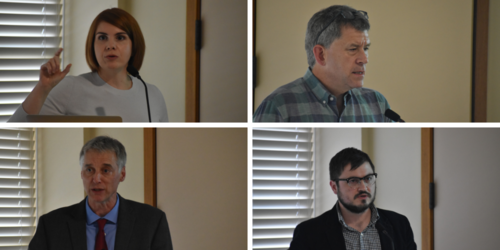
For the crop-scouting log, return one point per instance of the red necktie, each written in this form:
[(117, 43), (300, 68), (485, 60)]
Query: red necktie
[(100, 240)]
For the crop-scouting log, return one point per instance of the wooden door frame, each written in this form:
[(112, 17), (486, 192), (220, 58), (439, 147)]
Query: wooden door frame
[(192, 104), (254, 58), (150, 166), (480, 61), (427, 160)]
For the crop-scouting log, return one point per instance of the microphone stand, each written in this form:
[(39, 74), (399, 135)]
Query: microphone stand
[(135, 73), (392, 242)]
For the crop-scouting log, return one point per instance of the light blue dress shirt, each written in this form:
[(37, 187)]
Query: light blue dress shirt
[(109, 228)]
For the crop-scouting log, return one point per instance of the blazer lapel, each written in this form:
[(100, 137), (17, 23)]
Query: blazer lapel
[(125, 225), (77, 228), (333, 229)]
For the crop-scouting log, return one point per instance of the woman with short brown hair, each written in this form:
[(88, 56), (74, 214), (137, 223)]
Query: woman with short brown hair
[(114, 43)]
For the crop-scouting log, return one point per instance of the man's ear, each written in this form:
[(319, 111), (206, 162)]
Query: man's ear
[(123, 173), (319, 53), (334, 187)]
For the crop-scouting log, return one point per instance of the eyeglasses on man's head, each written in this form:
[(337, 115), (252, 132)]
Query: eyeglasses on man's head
[(346, 15)]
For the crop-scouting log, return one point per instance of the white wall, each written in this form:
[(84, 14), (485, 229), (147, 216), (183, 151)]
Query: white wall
[(396, 154), (78, 17), (466, 180), (59, 182), (163, 24), (328, 142)]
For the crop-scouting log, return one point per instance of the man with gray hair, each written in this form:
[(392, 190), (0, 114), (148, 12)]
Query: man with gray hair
[(104, 219), (331, 90)]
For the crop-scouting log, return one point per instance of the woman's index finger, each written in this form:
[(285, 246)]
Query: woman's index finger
[(58, 53)]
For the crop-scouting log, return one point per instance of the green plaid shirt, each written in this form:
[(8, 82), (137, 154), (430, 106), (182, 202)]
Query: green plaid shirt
[(307, 100)]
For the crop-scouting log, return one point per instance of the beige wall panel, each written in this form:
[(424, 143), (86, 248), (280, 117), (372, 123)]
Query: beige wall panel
[(396, 154), (223, 61), (493, 97), (59, 183), (202, 186), (420, 58), (163, 24), (133, 141)]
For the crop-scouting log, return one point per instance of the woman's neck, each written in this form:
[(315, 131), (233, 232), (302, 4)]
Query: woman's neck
[(117, 79)]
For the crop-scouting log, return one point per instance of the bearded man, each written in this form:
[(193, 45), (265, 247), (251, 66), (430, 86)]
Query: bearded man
[(354, 223)]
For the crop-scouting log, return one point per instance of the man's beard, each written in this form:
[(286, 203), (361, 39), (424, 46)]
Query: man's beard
[(357, 209)]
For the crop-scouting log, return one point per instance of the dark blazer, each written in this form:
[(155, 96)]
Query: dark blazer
[(325, 232), (139, 226)]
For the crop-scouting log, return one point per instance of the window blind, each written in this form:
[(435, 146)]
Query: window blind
[(17, 187), (30, 33), (283, 184)]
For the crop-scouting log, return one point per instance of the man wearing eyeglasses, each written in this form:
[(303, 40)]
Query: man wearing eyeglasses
[(354, 222), (331, 90)]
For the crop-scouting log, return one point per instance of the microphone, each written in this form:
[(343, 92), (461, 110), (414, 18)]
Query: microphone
[(131, 69), (392, 242), (393, 116), (379, 225)]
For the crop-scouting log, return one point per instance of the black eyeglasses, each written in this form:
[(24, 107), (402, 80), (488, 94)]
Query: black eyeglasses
[(356, 181), (347, 15)]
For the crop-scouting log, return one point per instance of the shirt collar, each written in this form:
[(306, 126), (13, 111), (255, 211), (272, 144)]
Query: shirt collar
[(319, 90), (373, 219), (112, 216), (98, 81)]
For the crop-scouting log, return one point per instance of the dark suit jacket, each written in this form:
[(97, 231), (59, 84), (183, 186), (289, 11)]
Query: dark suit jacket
[(325, 232), (139, 226)]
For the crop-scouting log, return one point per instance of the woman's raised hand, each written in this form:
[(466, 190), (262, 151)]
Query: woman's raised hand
[(50, 76), (50, 72)]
